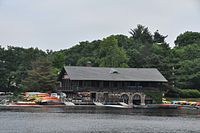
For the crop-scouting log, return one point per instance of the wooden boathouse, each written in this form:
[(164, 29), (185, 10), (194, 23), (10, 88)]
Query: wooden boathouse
[(137, 86)]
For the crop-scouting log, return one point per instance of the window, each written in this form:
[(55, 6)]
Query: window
[(88, 83), (95, 83), (80, 83), (115, 84), (105, 84)]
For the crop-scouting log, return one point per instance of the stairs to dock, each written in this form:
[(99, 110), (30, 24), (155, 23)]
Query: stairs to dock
[(69, 103), (98, 104), (123, 104), (120, 105)]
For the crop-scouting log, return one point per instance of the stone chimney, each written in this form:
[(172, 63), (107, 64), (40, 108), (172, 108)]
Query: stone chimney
[(89, 64)]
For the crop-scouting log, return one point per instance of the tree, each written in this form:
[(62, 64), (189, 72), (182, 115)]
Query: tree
[(134, 59), (187, 38), (143, 39), (141, 49), (187, 64), (85, 60), (40, 77), (3, 71), (123, 41), (188, 74), (141, 34), (57, 58), (111, 55), (17, 61), (158, 38)]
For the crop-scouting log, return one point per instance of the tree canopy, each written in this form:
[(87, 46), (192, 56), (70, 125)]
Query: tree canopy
[(142, 49), (187, 38), (40, 77)]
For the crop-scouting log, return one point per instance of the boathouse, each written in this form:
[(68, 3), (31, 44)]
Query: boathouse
[(137, 86)]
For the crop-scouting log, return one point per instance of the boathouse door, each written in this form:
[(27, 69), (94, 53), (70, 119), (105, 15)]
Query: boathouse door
[(136, 99), (93, 96), (105, 96), (125, 98)]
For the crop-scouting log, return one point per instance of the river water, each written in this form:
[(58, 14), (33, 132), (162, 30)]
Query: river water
[(97, 120)]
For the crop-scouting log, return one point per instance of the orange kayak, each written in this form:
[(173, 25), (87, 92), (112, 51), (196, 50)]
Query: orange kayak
[(49, 98)]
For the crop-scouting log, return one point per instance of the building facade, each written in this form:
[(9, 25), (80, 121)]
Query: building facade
[(137, 86)]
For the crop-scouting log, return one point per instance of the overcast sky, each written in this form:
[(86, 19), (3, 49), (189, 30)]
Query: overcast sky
[(60, 24)]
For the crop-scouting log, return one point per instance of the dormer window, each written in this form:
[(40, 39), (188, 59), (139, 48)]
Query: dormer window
[(113, 71)]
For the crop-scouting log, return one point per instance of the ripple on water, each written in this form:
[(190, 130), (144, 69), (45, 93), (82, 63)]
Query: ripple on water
[(97, 120)]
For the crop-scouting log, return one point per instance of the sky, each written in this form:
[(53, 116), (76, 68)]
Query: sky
[(61, 24)]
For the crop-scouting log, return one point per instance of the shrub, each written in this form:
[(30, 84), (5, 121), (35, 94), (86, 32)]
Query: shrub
[(183, 93), (189, 93), (156, 96), (173, 93)]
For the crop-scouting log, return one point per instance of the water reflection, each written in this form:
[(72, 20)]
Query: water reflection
[(106, 110), (97, 120)]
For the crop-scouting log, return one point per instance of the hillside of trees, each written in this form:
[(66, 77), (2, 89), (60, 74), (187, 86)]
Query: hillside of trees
[(33, 69)]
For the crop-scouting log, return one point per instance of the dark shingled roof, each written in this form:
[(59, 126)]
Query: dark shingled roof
[(114, 74)]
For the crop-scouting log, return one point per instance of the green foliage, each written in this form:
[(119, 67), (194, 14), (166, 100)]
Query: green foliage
[(189, 93), (188, 74), (187, 63), (141, 34), (111, 55), (183, 93), (123, 41), (172, 92), (158, 38), (157, 96), (15, 62), (3, 70), (40, 77), (57, 59), (180, 65), (17, 97), (134, 58), (188, 52), (84, 61), (187, 38)]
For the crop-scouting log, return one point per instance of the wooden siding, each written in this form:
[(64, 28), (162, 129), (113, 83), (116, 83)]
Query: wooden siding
[(108, 85)]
